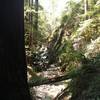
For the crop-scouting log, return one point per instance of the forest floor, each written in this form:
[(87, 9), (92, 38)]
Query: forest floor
[(50, 91)]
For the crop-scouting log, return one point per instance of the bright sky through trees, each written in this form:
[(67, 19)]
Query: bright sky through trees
[(53, 6), (53, 10)]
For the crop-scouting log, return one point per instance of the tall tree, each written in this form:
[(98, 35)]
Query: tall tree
[(36, 15), (31, 25), (85, 7), (13, 70)]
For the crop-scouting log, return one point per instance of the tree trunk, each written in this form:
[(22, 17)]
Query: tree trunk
[(86, 8), (13, 70), (50, 81), (36, 15), (29, 3)]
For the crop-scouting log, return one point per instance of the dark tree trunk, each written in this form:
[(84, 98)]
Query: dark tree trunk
[(13, 70), (36, 15)]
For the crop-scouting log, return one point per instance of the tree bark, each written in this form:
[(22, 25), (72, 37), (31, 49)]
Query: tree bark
[(13, 70)]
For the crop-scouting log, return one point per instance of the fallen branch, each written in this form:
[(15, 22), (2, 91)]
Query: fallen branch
[(62, 94), (50, 81)]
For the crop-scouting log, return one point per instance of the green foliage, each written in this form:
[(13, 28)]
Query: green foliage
[(32, 36), (71, 16), (82, 63), (37, 79), (93, 48), (75, 46), (89, 28), (86, 84)]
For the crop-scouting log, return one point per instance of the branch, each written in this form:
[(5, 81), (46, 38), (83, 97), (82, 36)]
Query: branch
[(50, 81), (61, 95)]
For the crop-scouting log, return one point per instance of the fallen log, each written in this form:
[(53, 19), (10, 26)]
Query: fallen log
[(49, 81)]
